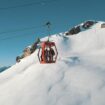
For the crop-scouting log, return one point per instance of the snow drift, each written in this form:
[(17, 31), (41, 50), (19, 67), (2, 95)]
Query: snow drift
[(77, 78)]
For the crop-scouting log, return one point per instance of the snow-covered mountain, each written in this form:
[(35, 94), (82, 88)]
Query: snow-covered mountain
[(77, 78), (4, 68)]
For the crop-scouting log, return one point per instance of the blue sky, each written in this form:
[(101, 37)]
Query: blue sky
[(63, 14)]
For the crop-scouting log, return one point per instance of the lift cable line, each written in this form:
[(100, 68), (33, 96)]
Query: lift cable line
[(48, 24), (19, 30), (15, 36), (29, 4)]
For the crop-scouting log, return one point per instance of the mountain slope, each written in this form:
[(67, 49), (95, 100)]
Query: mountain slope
[(77, 78), (3, 68)]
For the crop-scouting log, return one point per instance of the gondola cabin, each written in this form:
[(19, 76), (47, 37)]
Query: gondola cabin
[(47, 52)]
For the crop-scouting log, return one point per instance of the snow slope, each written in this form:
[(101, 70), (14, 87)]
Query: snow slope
[(77, 78)]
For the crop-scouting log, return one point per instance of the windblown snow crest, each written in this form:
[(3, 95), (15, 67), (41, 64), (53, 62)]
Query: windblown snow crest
[(77, 78)]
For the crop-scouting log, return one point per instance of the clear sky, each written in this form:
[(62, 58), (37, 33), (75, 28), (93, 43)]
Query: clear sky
[(21, 21)]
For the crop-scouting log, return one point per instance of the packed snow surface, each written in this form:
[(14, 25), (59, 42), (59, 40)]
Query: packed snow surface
[(77, 78)]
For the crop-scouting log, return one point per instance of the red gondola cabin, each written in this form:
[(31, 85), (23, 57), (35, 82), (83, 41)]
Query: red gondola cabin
[(47, 52)]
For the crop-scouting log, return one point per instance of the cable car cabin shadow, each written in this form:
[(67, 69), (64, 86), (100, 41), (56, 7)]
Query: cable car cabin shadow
[(47, 52)]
